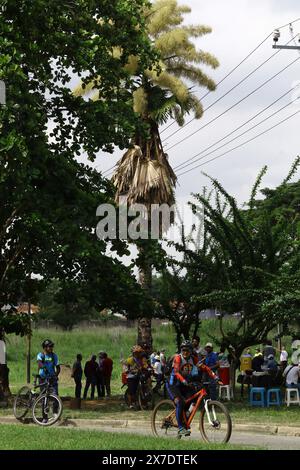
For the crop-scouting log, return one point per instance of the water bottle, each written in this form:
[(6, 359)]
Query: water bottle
[(189, 411)]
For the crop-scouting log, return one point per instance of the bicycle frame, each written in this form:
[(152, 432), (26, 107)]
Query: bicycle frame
[(200, 395)]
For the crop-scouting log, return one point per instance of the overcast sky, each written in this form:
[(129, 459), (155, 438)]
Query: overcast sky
[(238, 27)]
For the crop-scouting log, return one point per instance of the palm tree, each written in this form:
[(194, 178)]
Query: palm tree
[(144, 175)]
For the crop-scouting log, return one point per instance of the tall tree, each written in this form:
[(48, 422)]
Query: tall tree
[(258, 247), (48, 199), (144, 175)]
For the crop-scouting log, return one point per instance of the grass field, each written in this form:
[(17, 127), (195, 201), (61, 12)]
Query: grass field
[(116, 341), (18, 437)]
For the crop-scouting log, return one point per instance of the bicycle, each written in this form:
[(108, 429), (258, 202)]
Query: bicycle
[(144, 393), (46, 406), (215, 421)]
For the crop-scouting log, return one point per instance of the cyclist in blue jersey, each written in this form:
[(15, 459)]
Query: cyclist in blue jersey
[(48, 363)]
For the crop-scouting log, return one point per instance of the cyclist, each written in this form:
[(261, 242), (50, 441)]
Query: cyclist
[(186, 368), (48, 363), (135, 364)]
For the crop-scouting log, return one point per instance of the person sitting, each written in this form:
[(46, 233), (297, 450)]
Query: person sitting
[(258, 372), (186, 368), (272, 369), (291, 374)]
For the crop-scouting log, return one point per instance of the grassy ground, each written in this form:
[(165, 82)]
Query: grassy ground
[(20, 437), (116, 341), (240, 412)]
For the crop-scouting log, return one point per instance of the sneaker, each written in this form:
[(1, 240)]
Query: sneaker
[(184, 432)]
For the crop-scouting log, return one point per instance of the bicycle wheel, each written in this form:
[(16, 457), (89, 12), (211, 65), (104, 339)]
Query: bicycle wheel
[(126, 397), (47, 410), (145, 398), (22, 403), (215, 422), (163, 419)]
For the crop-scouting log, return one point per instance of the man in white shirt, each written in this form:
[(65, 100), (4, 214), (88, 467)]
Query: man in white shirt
[(2, 352), (292, 374), (283, 358), (157, 372), (3, 367)]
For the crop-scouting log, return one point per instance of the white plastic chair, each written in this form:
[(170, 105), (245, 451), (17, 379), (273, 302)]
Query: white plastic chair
[(227, 390), (292, 396)]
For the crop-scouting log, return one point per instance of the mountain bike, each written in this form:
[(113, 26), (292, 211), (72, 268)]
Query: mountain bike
[(215, 423), (45, 405), (144, 393)]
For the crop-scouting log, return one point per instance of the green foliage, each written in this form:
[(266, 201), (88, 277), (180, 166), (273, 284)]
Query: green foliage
[(257, 251), (48, 199)]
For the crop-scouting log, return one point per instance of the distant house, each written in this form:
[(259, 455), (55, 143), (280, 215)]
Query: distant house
[(24, 308)]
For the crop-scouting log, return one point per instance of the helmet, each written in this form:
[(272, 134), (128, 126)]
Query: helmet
[(47, 343), (186, 344), (137, 349)]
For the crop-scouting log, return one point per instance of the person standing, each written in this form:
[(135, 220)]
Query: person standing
[(163, 359), (152, 358), (135, 365), (4, 370), (107, 371), (90, 372), (77, 375), (283, 358), (197, 349), (48, 364), (100, 376), (245, 368), (157, 369), (211, 360)]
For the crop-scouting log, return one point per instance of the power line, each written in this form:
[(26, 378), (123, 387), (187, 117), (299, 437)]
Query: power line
[(225, 94), (242, 144), (185, 164), (234, 105), (226, 76), (229, 91), (243, 133)]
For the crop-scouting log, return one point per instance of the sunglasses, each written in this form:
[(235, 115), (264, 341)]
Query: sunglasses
[(186, 350)]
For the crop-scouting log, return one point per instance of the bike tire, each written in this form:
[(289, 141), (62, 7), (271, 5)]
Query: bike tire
[(126, 397), (156, 423), (57, 415), (145, 403), (223, 409), (23, 395)]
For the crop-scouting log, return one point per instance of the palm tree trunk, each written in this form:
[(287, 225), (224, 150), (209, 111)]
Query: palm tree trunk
[(145, 323)]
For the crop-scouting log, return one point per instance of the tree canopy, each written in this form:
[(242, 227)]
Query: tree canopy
[(48, 199)]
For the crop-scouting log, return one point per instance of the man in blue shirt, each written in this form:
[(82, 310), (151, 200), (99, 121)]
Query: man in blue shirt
[(211, 360), (48, 363)]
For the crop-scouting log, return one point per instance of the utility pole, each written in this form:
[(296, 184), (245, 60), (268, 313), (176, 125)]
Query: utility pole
[(276, 37)]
